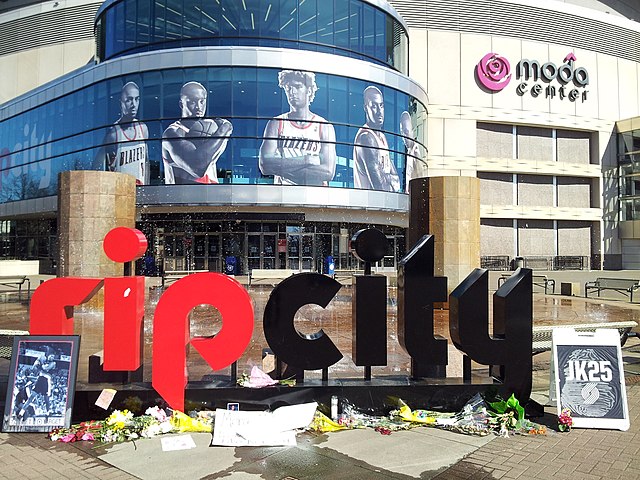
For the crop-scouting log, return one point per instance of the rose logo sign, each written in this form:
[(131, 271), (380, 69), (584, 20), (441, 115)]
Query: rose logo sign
[(494, 72)]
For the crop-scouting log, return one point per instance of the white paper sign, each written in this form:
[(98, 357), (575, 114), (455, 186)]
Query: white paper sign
[(180, 442), (105, 398), (589, 378), (277, 428), (230, 422)]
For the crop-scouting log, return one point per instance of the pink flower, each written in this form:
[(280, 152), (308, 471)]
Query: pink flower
[(70, 437), (88, 437)]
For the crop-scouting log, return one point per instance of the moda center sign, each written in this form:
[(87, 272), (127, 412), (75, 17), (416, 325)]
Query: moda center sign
[(547, 80)]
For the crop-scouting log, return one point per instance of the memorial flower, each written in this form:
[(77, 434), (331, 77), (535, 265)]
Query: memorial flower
[(123, 425), (565, 421)]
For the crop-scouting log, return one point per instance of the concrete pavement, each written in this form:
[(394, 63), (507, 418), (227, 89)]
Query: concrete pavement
[(359, 454)]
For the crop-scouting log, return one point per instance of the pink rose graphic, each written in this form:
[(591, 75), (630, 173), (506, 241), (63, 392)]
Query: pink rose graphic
[(494, 72)]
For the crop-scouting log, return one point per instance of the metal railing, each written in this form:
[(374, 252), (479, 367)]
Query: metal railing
[(558, 262)]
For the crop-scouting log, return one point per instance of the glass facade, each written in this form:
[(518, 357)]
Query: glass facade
[(236, 93), (629, 174), (254, 105), (351, 28), (201, 242)]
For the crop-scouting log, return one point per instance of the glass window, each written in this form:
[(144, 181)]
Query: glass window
[(288, 19), (353, 28), (341, 24), (158, 17), (131, 22), (76, 125), (308, 20), (119, 27), (368, 30), (325, 22), (355, 24)]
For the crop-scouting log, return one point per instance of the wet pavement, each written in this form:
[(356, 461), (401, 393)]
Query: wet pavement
[(360, 454), (335, 321)]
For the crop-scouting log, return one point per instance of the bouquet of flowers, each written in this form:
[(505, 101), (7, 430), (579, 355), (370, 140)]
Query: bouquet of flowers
[(122, 425), (259, 379), (565, 421)]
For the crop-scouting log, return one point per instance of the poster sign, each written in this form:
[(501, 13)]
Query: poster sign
[(589, 378), (41, 383)]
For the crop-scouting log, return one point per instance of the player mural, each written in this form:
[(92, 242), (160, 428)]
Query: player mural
[(125, 146), (244, 138), (298, 146), (414, 154), (372, 165), (192, 145)]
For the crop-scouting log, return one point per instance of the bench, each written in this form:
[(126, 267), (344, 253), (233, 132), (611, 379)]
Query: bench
[(175, 275), (6, 341), (496, 262), (17, 281), (569, 262), (542, 334), (346, 273), (270, 274), (625, 286), (539, 280)]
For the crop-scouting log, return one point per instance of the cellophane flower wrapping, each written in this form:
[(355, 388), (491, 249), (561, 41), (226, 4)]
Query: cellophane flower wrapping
[(122, 426)]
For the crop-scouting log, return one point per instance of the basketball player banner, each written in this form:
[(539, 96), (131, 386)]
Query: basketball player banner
[(589, 378), (41, 383)]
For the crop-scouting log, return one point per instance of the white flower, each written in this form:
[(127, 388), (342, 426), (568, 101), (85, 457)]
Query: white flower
[(157, 413), (151, 431), (166, 427)]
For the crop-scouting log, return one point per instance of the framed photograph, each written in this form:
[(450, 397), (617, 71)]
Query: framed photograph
[(41, 386)]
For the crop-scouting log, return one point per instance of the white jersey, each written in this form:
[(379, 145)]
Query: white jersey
[(413, 154), (131, 152), (362, 175), (297, 139)]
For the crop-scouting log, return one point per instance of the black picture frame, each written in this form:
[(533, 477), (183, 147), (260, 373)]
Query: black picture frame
[(42, 380)]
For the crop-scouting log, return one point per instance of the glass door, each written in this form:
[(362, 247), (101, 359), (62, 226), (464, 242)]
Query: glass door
[(307, 252), (233, 246), (293, 251), (200, 252), (213, 258), (174, 252), (269, 250), (253, 250)]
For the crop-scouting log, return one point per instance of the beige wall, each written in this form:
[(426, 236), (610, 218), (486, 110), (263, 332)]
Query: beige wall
[(26, 70), (444, 62), (454, 220), (89, 205)]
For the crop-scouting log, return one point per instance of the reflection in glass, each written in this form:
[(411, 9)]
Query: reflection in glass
[(351, 28), (45, 145)]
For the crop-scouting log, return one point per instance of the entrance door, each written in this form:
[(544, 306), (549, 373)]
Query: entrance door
[(213, 247), (269, 250), (200, 252), (253, 251), (177, 252), (293, 251), (261, 250), (233, 246), (307, 252)]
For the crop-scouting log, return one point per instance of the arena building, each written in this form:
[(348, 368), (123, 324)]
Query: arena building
[(307, 119)]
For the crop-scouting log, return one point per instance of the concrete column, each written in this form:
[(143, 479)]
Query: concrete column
[(90, 203), (454, 220)]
